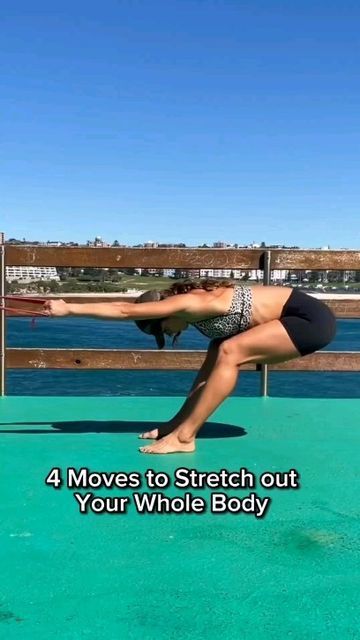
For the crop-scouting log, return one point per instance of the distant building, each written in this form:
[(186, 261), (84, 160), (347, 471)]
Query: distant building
[(153, 272), (222, 273), (277, 275), (255, 274), (192, 273), (172, 245), (31, 274), (97, 242)]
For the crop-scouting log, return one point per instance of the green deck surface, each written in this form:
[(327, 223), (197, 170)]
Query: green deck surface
[(292, 574)]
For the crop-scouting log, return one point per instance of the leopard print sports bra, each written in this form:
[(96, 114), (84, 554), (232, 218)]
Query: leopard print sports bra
[(234, 321)]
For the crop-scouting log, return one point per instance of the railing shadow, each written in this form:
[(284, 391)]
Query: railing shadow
[(209, 430)]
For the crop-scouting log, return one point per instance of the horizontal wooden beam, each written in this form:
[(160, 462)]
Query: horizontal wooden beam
[(342, 307), (345, 307), (166, 360), (322, 361), (136, 258), (16, 255), (316, 260), (102, 359)]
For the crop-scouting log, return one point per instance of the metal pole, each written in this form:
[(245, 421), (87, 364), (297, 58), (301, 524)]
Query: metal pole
[(2, 314), (267, 280)]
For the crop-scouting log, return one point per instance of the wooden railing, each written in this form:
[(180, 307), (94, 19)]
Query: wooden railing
[(267, 260)]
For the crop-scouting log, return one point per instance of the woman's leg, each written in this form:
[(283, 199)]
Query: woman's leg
[(268, 343), (192, 397)]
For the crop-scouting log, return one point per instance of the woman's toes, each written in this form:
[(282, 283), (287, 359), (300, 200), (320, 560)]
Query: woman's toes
[(149, 435)]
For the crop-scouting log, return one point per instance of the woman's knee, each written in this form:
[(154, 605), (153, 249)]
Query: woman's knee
[(231, 353)]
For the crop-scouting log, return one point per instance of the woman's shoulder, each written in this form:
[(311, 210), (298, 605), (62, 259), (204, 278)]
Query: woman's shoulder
[(214, 302)]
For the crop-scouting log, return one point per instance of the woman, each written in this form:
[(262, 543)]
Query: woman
[(257, 324)]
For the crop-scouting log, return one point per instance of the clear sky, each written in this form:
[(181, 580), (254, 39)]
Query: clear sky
[(181, 121)]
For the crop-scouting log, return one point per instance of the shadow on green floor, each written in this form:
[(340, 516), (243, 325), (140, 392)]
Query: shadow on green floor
[(209, 430)]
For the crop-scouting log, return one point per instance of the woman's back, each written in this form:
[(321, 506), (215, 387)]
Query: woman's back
[(231, 310), (267, 301)]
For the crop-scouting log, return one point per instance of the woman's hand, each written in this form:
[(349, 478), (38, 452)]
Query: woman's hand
[(57, 308)]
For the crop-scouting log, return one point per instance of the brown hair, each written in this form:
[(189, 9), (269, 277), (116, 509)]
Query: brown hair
[(207, 284)]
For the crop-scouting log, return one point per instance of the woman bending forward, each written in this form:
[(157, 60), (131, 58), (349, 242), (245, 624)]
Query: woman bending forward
[(245, 324)]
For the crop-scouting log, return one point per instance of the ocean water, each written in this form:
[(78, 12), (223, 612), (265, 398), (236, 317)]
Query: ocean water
[(105, 334)]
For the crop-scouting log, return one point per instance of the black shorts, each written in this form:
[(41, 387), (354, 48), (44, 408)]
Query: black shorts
[(310, 323)]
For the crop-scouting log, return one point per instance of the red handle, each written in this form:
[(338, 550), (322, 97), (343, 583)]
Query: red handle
[(24, 299), (24, 311)]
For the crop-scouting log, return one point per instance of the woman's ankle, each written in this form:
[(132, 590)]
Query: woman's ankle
[(184, 434)]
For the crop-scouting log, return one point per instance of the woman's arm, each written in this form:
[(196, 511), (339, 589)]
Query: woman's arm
[(181, 304)]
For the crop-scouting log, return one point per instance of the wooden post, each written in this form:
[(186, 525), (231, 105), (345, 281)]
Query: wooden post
[(264, 368), (2, 314)]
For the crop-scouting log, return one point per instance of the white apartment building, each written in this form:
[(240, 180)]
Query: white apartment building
[(30, 274), (277, 275), (222, 273)]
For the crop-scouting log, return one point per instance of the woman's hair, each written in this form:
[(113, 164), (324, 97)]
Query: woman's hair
[(154, 326), (207, 284)]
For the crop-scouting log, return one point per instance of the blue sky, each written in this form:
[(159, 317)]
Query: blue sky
[(181, 121)]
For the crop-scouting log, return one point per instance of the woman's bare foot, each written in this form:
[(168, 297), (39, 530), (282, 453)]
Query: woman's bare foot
[(170, 444), (160, 432)]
